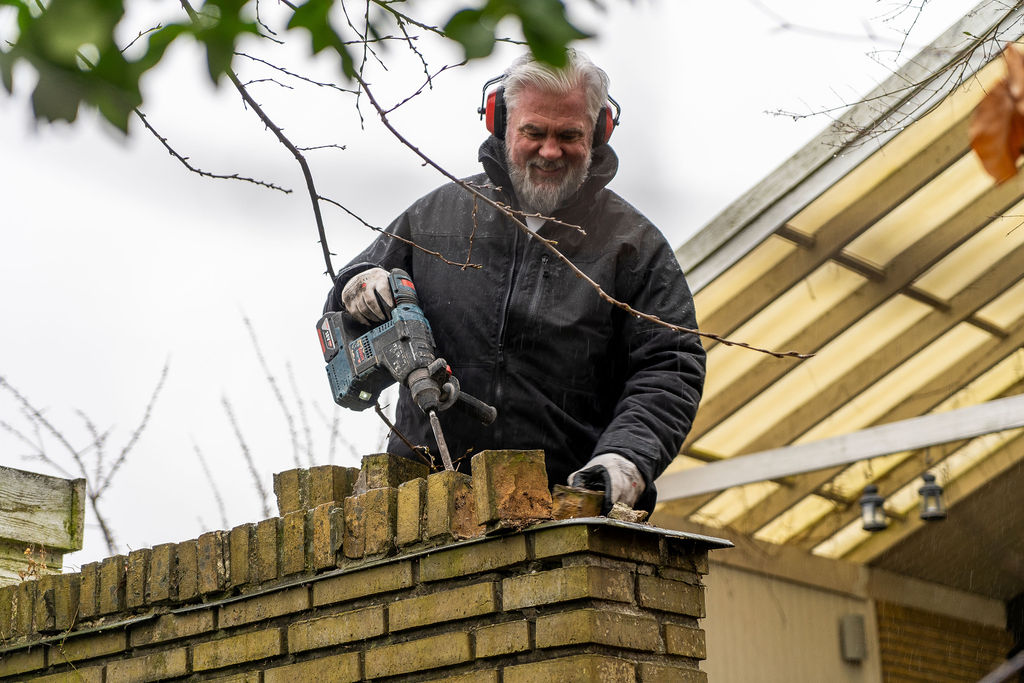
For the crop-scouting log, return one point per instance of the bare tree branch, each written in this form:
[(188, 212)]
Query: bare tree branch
[(276, 389), (212, 481), (261, 491)]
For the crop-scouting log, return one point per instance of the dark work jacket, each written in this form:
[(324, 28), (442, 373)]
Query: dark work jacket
[(568, 372)]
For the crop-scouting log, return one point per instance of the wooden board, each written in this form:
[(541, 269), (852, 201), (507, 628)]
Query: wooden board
[(42, 510)]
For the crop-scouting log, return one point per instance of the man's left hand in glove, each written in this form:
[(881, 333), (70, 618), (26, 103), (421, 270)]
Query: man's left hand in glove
[(618, 477)]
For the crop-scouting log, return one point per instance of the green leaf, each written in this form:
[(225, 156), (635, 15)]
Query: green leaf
[(219, 27), (468, 28), (7, 71), (547, 30), (314, 17)]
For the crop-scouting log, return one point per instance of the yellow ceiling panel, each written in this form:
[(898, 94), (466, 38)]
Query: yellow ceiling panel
[(683, 462), (988, 385), (843, 541), (1007, 308), (741, 276), (724, 508), (794, 520), (850, 482)]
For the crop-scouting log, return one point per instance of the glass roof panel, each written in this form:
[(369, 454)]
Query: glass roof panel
[(843, 541), (797, 518), (850, 482), (724, 508), (975, 256), (683, 462), (742, 275), (1006, 309), (945, 195), (988, 385)]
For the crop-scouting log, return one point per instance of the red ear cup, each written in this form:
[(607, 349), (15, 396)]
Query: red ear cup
[(495, 117), (604, 126)]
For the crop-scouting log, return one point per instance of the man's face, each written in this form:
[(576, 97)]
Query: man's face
[(548, 147)]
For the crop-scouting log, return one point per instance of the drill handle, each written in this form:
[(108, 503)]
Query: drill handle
[(478, 409)]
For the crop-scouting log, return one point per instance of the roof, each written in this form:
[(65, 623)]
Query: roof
[(883, 249)]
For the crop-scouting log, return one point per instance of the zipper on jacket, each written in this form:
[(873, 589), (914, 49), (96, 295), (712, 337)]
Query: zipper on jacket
[(500, 360)]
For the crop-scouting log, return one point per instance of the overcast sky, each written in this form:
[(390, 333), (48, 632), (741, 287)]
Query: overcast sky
[(115, 259)]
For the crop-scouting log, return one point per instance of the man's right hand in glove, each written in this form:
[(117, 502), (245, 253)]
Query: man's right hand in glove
[(367, 296)]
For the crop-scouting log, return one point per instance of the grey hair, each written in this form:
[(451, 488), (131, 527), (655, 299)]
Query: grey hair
[(578, 71)]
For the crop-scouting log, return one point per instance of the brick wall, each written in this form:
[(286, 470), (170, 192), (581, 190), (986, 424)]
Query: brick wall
[(383, 574)]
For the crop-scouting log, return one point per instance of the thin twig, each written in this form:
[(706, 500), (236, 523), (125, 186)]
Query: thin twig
[(247, 456), (212, 481), (303, 417), (276, 389), (420, 451)]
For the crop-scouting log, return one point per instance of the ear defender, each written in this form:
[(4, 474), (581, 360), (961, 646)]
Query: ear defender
[(495, 115)]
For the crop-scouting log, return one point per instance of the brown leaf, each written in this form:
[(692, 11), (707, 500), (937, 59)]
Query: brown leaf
[(997, 124)]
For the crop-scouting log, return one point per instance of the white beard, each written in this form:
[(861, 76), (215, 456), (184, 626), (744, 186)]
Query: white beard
[(545, 197)]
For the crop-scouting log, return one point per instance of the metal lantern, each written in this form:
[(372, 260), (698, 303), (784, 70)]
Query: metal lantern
[(872, 514), (932, 505)]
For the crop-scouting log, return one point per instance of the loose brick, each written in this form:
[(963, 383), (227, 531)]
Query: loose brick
[(89, 598), (670, 596), (510, 487), (212, 569), (613, 629), (262, 607), (293, 543), (92, 674), (247, 647), (363, 583), (161, 580), (383, 470), (331, 483), (502, 639), (155, 667), (680, 553), (45, 616), (112, 583), (66, 593), (8, 610), (566, 583), (135, 581), (688, 642), (418, 655), (444, 606), (267, 547), (412, 512), (599, 538), (662, 673), (26, 607), (568, 502), (336, 629), (451, 506), (87, 647), (240, 554), (14, 663), (186, 570), (169, 627), (473, 558), (370, 523), (590, 668), (291, 488), (328, 526), (337, 669)]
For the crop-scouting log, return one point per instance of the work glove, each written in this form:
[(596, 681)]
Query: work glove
[(367, 296), (615, 475)]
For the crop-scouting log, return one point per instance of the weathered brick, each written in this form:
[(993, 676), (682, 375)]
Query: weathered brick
[(161, 580), (336, 629), (328, 527), (169, 627), (688, 642), (293, 543), (8, 610), (449, 605), (154, 667), (510, 486), (566, 583), (665, 673), (45, 617), (604, 539), (451, 506), (267, 606), (89, 597), (14, 663), (248, 677), (186, 570), (291, 488), (502, 639), (412, 512), (92, 674), (614, 629), (112, 581), (473, 558), (26, 607), (590, 668), (240, 554), (680, 553), (66, 592), (471, 677), (330, 483), (212, 569), (370, 523), (383, 470), (337, 669), (267, 548), (247, 647), (670, 596), (418, 655), (74, 649), (384, 578), (135, 580), (568, 502)]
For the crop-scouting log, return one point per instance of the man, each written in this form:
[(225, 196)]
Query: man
[(608, 396)]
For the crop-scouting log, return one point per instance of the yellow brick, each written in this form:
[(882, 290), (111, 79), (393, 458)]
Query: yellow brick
[(248, 677), (688, 642), (338, 669), (576, 669), (159, 579), (87, 647), (212, 570), (247, 647), (135, 584), (599, 538), (293, 543), (362, 583), (171, 627), (502, 639), (597, 626), (155, 667), (19, 662), (661, 673), (266, 550), (471, 677), (566, 583), (89, 596), (412, 500), (670, 596), (336, 629), (186, 569), (418, 655), (240, 554), (93, 674), (451, 605), (472, 558), (683, 554), (263, 607)]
